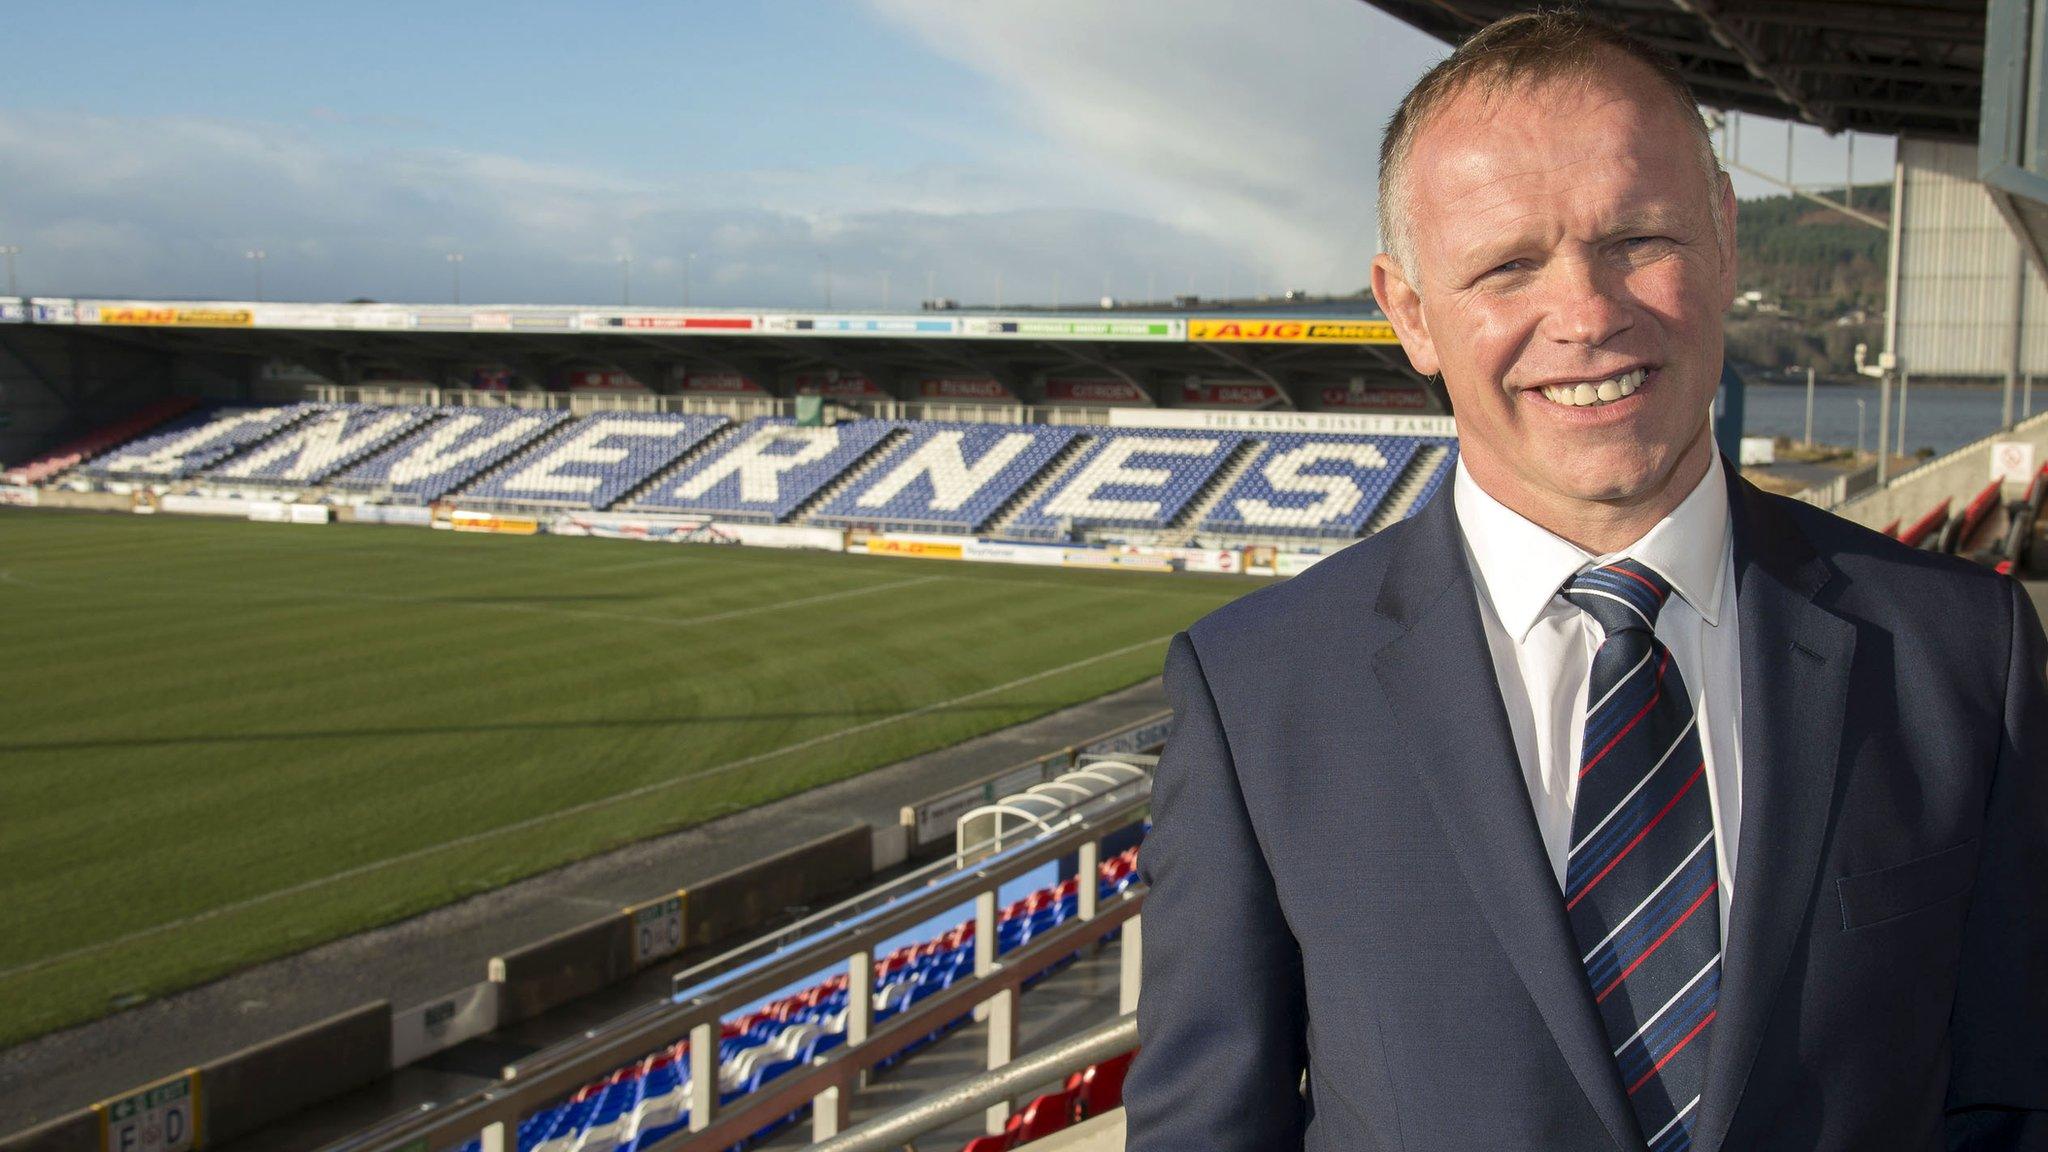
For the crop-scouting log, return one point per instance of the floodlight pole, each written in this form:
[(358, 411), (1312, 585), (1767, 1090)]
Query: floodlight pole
[(625, 281), (688, 262), (455, 270), (10, 251), (255, 256)]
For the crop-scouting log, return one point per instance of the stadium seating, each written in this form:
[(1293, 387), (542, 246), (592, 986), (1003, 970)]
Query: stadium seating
[(1313, 485), (92, 444), (1437, 477), (449, 452), (1128, 479), (948, 476), (199, 441), (644, 1102), (323, 444), (766, 470), (596, 460)]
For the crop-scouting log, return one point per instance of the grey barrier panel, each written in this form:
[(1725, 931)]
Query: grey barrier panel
[(748, 897), (251, 1088), (568, 965), (76, 1132)]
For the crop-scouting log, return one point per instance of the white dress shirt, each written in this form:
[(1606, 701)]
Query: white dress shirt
[(1542, 646)]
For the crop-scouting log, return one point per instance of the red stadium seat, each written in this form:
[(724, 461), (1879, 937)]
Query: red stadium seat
[(1044, 1116), (1102, 1087)]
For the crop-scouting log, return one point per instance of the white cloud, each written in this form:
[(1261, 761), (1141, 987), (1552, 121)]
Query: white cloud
[(167, 207), (1254, 127)]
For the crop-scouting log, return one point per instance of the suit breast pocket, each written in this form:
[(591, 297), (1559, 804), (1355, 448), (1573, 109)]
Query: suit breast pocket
[(1874, 897)]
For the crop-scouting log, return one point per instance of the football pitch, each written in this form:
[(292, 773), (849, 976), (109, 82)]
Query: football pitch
[(222, 742)]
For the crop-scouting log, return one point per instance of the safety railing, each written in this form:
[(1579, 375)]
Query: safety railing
[(849, 944)]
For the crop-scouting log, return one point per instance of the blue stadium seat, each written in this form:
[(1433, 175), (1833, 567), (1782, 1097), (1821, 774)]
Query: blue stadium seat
[(1128, 478), (449, 452), (198, 441), (766, 470), (1303, 484), (595, 461), (947, 476), (323, 444)]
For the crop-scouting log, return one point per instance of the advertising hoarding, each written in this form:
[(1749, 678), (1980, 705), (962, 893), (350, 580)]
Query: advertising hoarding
[(1106, 390), (1246, 329)]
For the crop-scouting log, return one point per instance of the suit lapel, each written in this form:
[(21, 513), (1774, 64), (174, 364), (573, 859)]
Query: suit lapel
[(1437, 675), (1796, 659)]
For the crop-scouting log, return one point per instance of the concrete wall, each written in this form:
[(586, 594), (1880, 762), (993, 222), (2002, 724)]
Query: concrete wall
[(564, 967), (270, 1081), (747, 898), (1958, 476), (77, 1132)]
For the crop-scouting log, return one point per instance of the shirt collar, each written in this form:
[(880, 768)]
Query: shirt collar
[(1521, 565)]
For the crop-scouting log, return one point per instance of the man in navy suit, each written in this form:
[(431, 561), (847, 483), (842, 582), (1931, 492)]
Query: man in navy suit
[(1608, 802)]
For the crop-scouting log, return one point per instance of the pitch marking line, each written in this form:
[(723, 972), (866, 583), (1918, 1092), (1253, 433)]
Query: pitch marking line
[(546, 818)]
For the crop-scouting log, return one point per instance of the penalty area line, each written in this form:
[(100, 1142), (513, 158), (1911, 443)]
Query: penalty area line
[(547, 818)]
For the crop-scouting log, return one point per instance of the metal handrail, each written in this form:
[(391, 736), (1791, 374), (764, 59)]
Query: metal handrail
[(796, 1088), (531, 1085), (891, 1130)]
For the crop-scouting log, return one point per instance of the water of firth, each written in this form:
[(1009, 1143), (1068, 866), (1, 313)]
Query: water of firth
[(1938, 417)]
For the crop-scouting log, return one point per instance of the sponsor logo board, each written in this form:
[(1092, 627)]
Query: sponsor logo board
[(17, 496), (928, 549), (663, 322), (963, 388), (1281, 331), (859, 325), (720, 384), (1070, 390), (1341, 396), (1230, 393), (1034, 327), (166, 316), (464, 520), (1222, 420)]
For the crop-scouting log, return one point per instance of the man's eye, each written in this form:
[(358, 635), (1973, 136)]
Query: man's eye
[(1509, 266), (1638, 243)]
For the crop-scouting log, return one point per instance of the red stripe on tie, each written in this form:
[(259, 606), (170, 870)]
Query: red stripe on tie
[(1656, 694), (1631, 845), (1638, 579), (1676, 1049), (1658, 942)]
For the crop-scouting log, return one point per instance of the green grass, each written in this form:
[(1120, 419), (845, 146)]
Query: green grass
[(222, 742)]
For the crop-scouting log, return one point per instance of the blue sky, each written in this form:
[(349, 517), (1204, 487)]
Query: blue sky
[(739, 154)]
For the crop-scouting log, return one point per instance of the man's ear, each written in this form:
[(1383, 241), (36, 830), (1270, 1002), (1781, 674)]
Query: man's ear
[(1403, 306), (1727, 241)]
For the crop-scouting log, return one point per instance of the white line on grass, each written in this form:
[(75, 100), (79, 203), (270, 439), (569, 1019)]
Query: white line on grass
[(532, 822)]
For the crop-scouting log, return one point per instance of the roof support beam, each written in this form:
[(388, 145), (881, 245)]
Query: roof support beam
[(1736, 40)]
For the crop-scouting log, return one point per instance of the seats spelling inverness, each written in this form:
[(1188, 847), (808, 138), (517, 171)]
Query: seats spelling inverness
[(1129, 479), (1313, 485), (597, 460), (199, 441), (447, 453), (948, 475), (323, 444), (768, 469)]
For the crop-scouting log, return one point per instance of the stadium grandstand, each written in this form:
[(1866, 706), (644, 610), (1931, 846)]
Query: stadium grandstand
[(1226, 440)]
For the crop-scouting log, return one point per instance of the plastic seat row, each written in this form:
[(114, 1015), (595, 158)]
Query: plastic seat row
[(98, 441), (595, 461), (766, 470), (324, 443), (449, 452), (1313, 485), (645, 1101), (198, 441), (1094, 1090), (1128, 479), (946, 475)]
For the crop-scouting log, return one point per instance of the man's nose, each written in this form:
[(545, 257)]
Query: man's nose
[(1588, 304)]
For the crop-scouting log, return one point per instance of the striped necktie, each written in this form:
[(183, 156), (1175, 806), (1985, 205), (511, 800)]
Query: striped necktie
[(1640, 885)]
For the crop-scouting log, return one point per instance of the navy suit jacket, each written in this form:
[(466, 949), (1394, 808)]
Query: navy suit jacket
[(1347, 878)]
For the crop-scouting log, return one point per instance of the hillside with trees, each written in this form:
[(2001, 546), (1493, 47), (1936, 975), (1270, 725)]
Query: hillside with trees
[(1811, 283)]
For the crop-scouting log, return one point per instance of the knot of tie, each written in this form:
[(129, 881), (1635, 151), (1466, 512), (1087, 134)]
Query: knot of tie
[(1622, 596)]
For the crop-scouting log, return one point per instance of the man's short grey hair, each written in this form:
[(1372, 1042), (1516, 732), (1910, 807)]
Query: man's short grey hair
[(1515, 54)]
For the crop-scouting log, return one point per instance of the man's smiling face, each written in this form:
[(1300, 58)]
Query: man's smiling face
[(1571, 275)]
